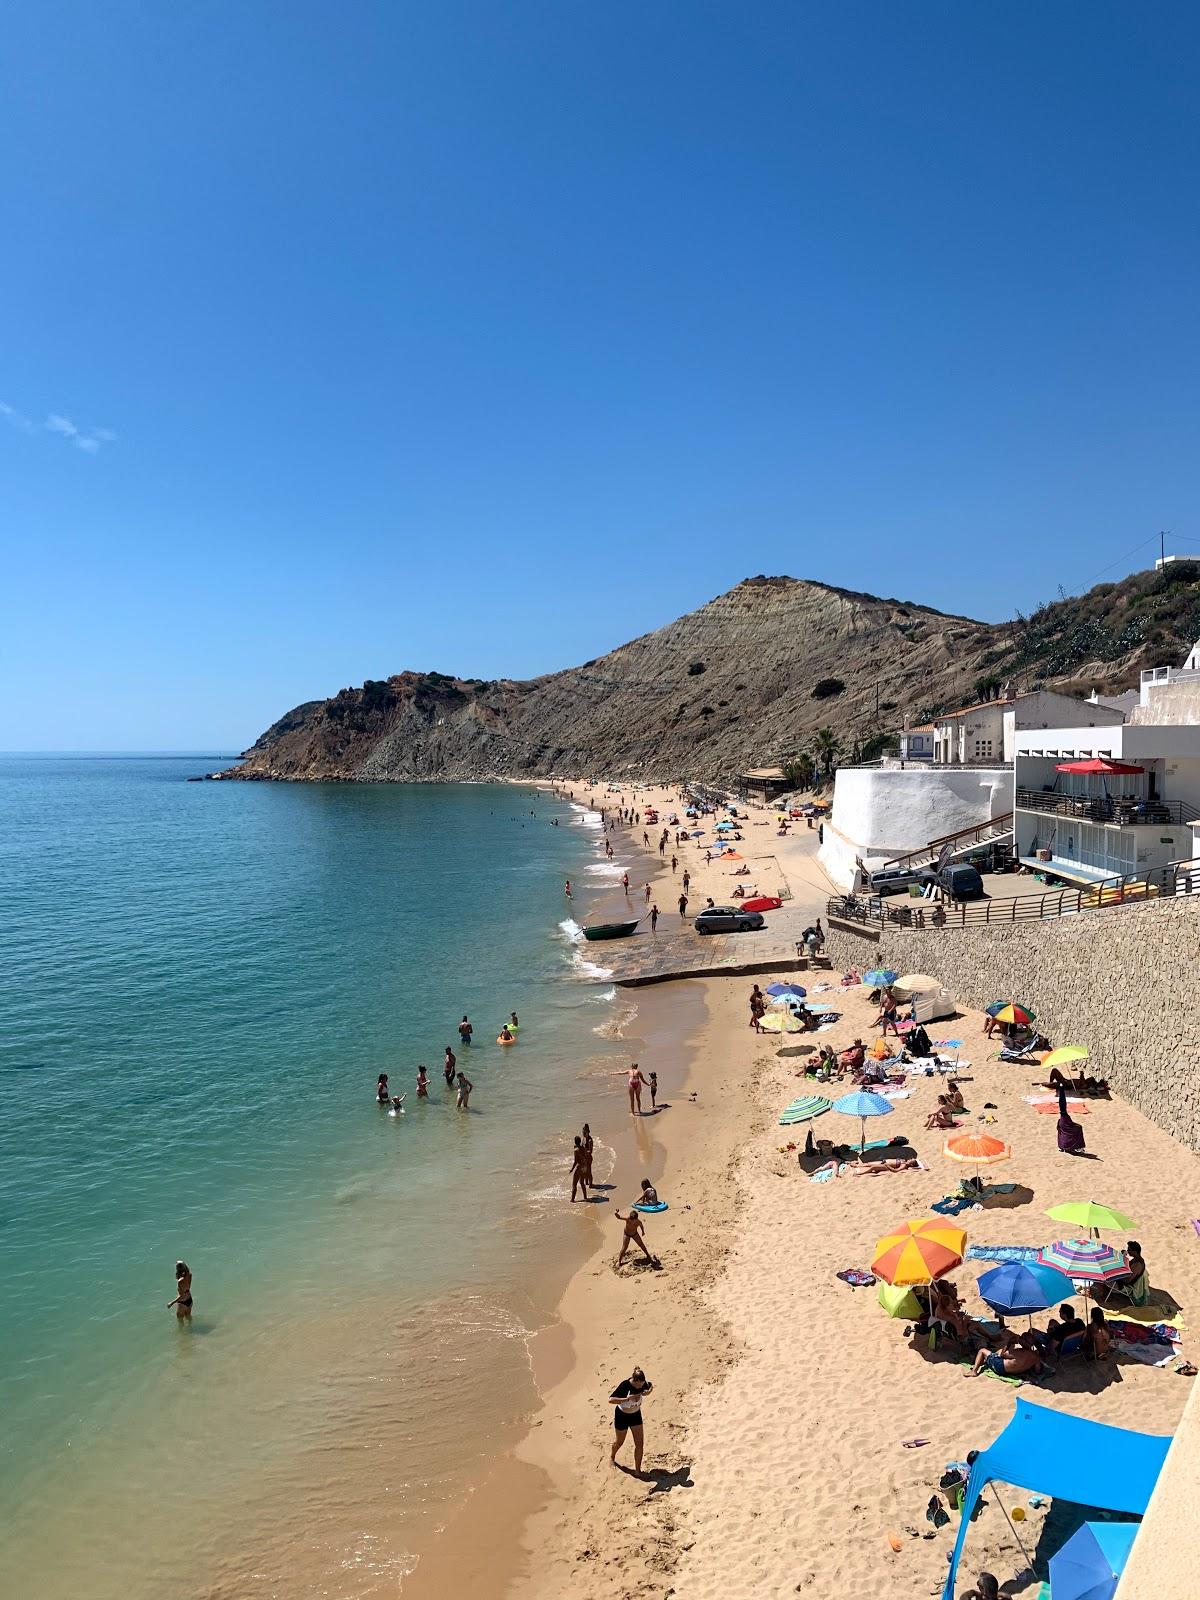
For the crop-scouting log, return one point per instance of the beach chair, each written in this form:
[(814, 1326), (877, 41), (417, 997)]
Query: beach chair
[(1134, 1293), (1070, 1347)]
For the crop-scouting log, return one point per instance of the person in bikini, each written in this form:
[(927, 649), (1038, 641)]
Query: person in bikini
[(422, 1084), (464, 1091), (634, 1234), (182, 1302), (636, 1083), (382, 1093), (579, 1166)]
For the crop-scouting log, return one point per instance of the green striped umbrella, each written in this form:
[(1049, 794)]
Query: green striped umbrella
[(805, 1109)]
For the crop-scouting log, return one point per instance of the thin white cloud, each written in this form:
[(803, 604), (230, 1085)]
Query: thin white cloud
[(15, 419), (88, 440)]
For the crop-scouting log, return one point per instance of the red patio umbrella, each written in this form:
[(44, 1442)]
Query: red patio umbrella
[(1099, 767)]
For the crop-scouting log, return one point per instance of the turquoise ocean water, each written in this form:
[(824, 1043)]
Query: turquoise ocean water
[(198, 986)]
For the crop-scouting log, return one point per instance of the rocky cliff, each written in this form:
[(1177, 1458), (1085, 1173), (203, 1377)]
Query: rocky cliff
[(745, 680)]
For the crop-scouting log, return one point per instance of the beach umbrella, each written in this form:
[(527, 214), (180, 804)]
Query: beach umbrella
[(918, 982), (1020, 1288), (919, 1252), (1090, 1564), (877, 977), (1084, 1261), (899, 1301), (1087, 1214), (1065, 1054), (805, 1109), (1014, 1013), (781, 1022), (999, 1005), (730, 855), (976, 1149), (863, 1104), (786, 988)]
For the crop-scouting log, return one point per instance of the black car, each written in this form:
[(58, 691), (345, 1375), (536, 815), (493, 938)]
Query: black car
[(728, 919)]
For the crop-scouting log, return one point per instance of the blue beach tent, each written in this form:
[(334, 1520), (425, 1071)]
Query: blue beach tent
[(1066, 1458)]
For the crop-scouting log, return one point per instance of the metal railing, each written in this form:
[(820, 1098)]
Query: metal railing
[(1179, 877), (1125, 812), (981, 833)]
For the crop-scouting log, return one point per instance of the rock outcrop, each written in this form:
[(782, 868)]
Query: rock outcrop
[(745, 680)]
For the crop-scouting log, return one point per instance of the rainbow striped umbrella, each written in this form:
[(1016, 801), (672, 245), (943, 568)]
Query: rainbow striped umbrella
[(1084, 1260), (919, 1252), (1015, 1014)]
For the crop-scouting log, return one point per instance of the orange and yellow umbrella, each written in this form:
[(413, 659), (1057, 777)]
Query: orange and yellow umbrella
[(918, 1252)]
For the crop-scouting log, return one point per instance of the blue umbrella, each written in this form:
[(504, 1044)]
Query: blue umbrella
[(1091, 1562), (863, 1104), (878, 976), (786, 988), (1019, 1289)]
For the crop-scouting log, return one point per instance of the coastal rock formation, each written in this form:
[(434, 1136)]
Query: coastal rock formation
[(745, 680)]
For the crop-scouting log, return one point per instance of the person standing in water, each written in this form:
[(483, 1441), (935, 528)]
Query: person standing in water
[(513, 1021), (588, 1146), (636, 1084), (449, 1067), (567, 890), (579, 1161), (381, 1090), (465, 1030), (422, 1084), (182, 1302), (625, 884), (464, 1090)]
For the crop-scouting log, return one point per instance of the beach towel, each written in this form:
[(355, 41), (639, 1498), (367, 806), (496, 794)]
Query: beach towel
[(1000, 1377), (827, 1173), (1003, 1252), (1153, 1316), (856, 1277), (1150, 1355), (896, 1094), (1049, 1108), (952, 1204), (1159, 1333)]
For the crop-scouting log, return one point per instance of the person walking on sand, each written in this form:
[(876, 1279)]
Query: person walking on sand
[(588, 1149), (653, 918), (464, 1091), (647, 894), (654, 1091), (646, 839), (634, 1234), (625, 884), (683, 905), (687, 880), (674, 863), (636, 1084), (422, 1084), (627, 1418), (449, 1066), (465, 1030), (579, 1161), (182, 1303)]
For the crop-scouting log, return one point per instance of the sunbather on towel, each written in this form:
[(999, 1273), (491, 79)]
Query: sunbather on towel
[(1017, 1358), (1083, 1084)]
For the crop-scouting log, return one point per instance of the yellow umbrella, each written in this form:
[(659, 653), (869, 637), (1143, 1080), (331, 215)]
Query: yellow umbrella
[(781, 1022), (919, 1252), (1066, 1053)]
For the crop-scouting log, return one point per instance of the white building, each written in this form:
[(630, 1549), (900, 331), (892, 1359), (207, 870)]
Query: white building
[(1080, 827), (916, 744), (987, 731)]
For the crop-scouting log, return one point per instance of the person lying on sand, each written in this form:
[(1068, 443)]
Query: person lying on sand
[(634, 1234), (1017, 1358), (1082, 1085)]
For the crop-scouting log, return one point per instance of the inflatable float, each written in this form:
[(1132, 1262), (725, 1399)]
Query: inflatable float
[(659, 1205)]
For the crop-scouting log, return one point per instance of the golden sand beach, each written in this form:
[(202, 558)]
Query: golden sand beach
[(775, 1461)]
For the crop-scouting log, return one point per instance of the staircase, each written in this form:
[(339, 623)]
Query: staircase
[(996, 830)]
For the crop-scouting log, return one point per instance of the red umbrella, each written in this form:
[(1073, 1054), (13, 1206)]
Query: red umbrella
[(1100, 767)]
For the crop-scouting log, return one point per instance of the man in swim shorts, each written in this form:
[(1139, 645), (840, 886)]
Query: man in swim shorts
[(449, 1067), (465, 1030)]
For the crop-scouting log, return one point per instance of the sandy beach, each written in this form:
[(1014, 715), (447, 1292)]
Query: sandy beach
[(775, 1461)]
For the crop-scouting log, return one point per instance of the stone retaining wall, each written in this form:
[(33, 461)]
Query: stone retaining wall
[(1124, 981)]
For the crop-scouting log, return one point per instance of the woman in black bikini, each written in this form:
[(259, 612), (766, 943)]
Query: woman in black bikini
[(628, 1416), (183, 1300), (381, 1090)]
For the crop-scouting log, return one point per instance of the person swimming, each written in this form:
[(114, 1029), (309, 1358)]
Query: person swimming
[(513, 1021), (506, 1036)]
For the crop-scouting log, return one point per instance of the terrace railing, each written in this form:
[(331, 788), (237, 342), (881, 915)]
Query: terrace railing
[(1105, 808), (980, 833), (1179, 877)]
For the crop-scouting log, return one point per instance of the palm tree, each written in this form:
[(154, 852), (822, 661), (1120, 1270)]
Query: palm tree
[(828, 750), (798, 771)]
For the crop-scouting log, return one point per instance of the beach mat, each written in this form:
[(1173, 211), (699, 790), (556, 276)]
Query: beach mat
[(1153, 1317), (1000, 1377), (1002, 1252)]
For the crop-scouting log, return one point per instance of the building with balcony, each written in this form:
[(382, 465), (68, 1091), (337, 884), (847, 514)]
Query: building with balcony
[(1093, 802), (987, 731)]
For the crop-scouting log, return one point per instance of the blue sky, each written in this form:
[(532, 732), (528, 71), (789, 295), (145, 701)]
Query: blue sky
[(483, 337)]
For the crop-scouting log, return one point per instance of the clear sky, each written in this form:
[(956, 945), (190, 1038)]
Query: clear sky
[(346, 337)]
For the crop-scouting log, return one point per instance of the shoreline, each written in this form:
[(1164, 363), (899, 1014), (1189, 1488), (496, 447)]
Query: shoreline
[(771, 1378)]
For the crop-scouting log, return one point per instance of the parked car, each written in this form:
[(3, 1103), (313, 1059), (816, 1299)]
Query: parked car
[(893, 880), (728, 919), (957, 881)]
